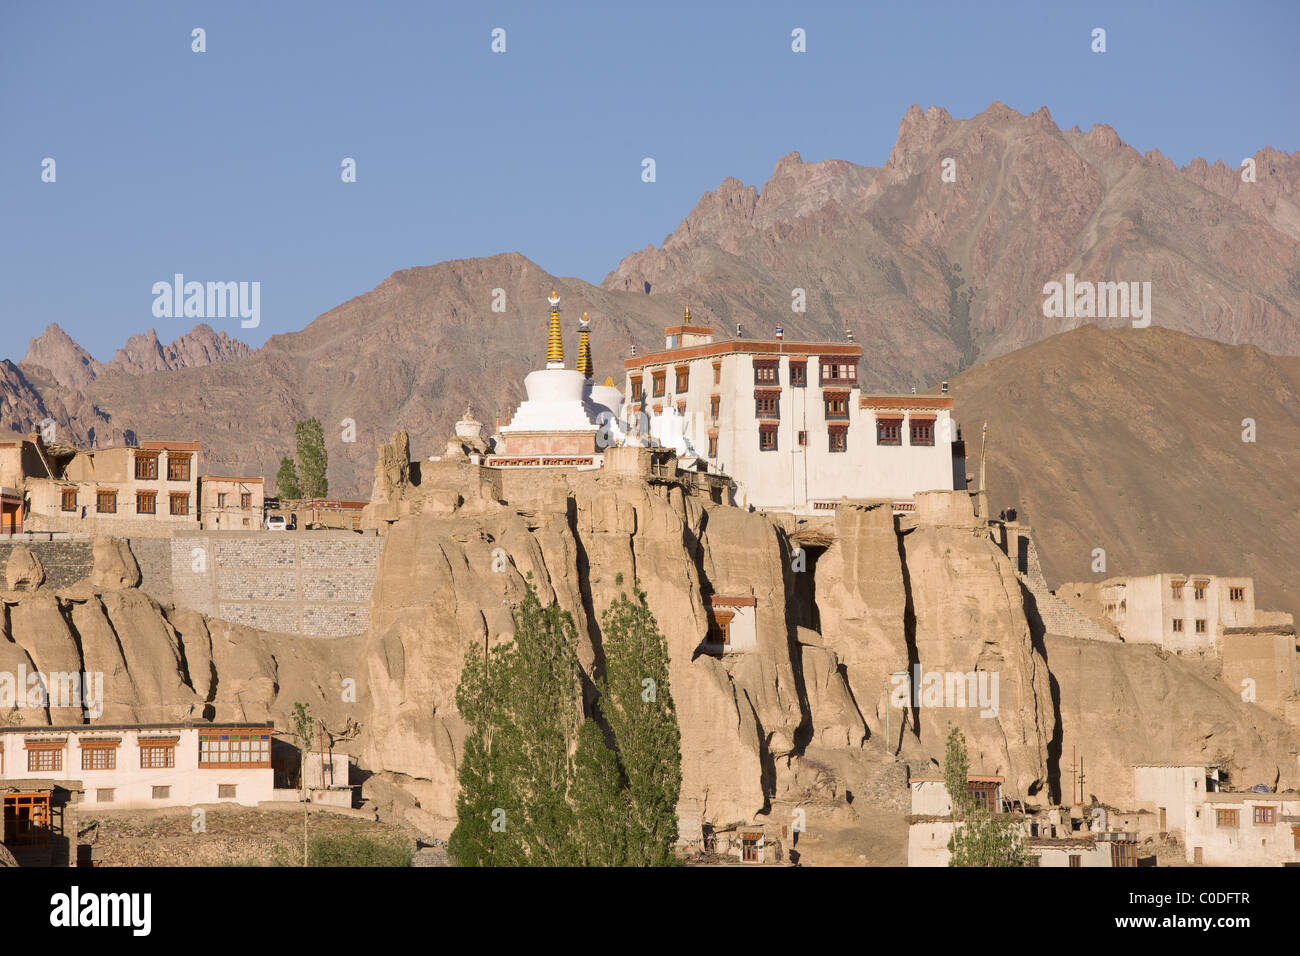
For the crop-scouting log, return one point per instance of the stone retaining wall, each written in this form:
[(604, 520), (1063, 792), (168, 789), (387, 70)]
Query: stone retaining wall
[(65, 562), (295, 582)]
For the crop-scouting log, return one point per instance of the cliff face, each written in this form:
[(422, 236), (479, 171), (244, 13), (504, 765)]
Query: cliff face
[(828, 634), (803, 720)]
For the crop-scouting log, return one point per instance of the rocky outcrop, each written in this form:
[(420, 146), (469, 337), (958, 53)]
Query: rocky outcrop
[(23, 571), (115, 565), (197, 347), (450, 575)]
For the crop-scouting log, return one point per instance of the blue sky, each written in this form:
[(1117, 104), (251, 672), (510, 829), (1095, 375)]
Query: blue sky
[(225, 165)]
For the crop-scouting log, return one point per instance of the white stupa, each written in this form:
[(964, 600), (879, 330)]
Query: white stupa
[(559, 417)]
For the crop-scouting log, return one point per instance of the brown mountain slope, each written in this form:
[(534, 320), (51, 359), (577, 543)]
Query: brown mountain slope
[(410, 354), (1130, 440), (930, 276)]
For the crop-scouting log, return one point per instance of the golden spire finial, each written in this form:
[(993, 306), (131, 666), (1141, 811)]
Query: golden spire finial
[(688, 313), (554, 343), (584, 346)]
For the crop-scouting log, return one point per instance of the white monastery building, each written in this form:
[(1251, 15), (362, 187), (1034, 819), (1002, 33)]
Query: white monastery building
[(790, 422)]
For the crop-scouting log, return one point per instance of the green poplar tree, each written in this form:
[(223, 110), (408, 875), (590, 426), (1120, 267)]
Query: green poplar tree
[(981, 836), (482, 836), (312, 459), (600, 801), (522, 702), (286, 480), (636, 701)]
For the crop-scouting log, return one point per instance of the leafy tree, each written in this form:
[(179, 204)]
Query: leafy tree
[(524, 801), (600, 801), (312, 459), (636, 701), (982, 835), (286, 480), (303, 728), (522, 702)]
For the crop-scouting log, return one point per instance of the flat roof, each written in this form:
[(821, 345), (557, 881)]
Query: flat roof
[(904, 401), (743, 347), (165, 445), (102, 728), (256, 481), (1250, 796), (970, 778)]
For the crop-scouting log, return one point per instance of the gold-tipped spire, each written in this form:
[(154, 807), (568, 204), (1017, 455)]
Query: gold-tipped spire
[(554, 343), (584, 347), (687, 318)]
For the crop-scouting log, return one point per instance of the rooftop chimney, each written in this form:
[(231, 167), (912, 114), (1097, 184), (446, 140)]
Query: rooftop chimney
[(849, 332), (740, 333), (944, 388)]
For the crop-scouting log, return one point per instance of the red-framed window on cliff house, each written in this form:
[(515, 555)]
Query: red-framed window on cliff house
[(889, 431), (158, 753), (180, 503), (767, 403), (717, 373), (715, 402), (1265, 816), (658, 379), (106, 502), (839, 370), (68, 499), (1198, 590), (767, 436), (683, 377), (178, 467), (45, 756), (146, 466), (713, 445), (720, 627), (765, 371), (1176, 590), (146, 502), (838, 440), (681, 407), (798, 373), (636, 388), (984, 793), (245, 500), (922, 430), (245, 749)]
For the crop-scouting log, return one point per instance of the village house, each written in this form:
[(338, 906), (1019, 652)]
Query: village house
[(1183, 613), (1051, 836), (789, 421), (230, 504), (1245, 829), (125, 767), (144, 490), (1221, 827)]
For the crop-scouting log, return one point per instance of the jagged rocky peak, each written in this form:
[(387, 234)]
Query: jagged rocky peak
[(57, 352), (200, 346)]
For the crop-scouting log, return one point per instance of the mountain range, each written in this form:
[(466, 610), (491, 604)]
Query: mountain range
[(935, 263)]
